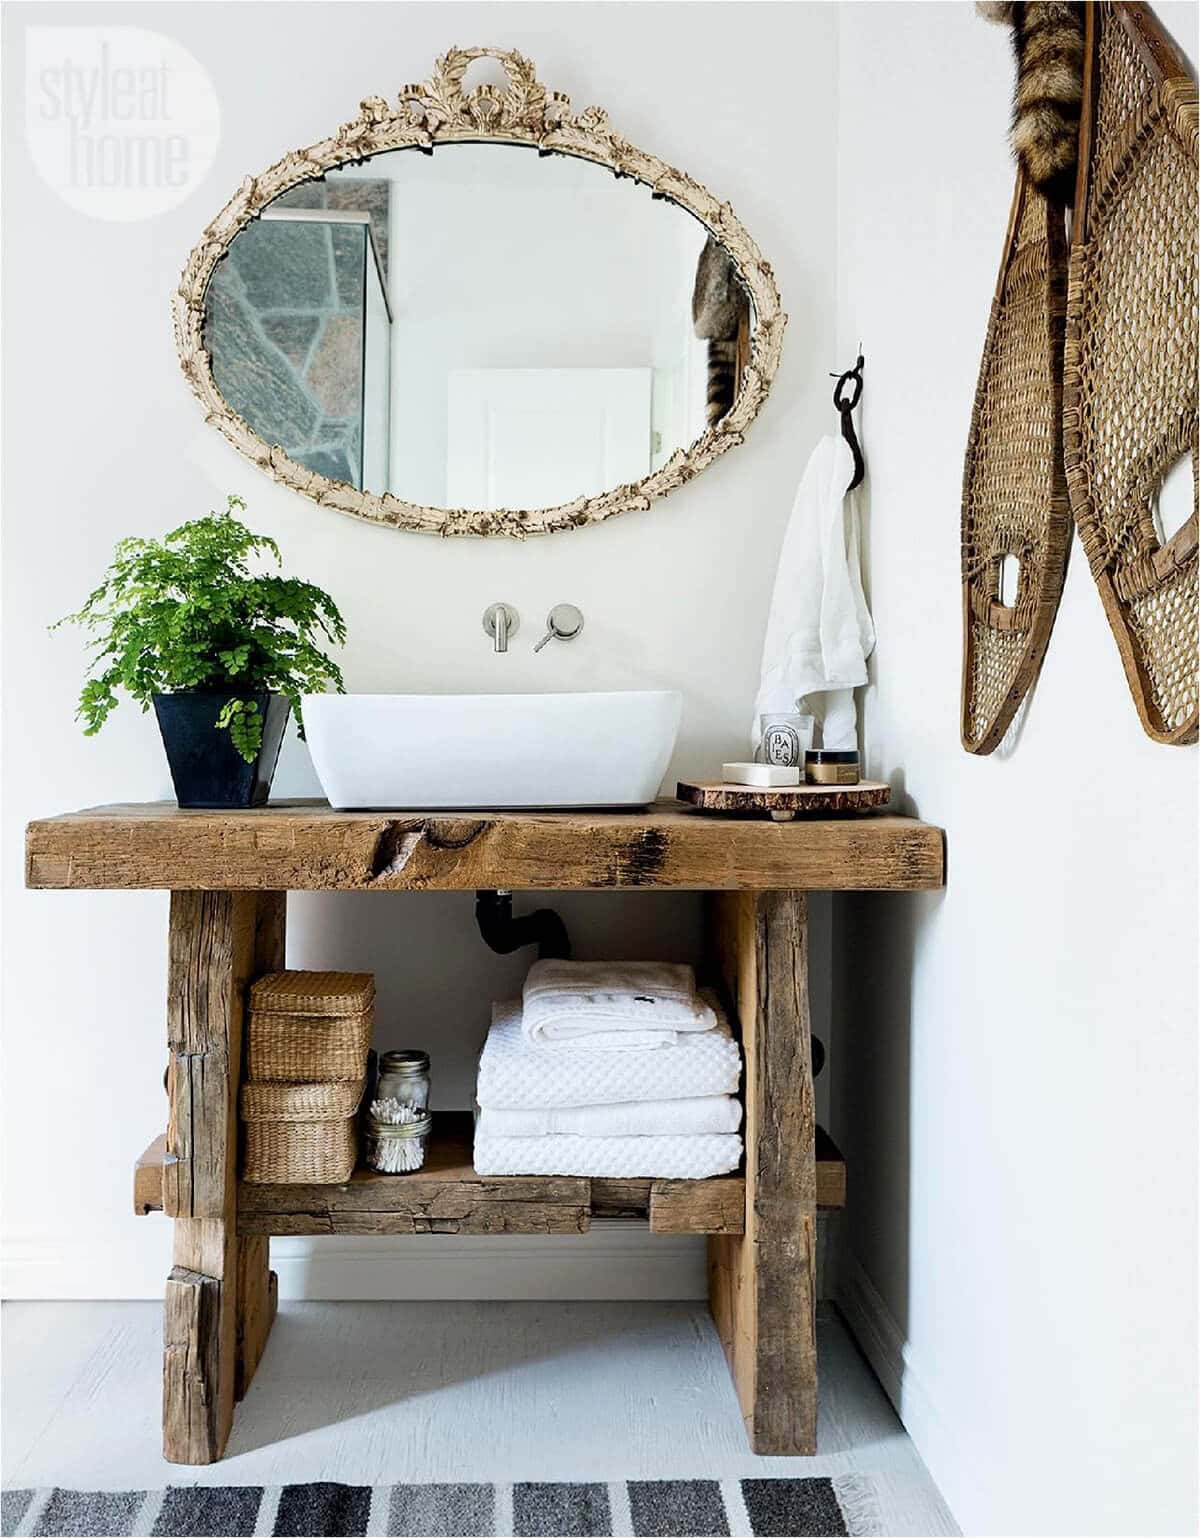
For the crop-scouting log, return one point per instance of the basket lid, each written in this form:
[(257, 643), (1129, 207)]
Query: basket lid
[(334, 1101), (313, 993)]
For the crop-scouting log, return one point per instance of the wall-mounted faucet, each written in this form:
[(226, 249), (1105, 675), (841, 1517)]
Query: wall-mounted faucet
[(563, 623), (500, 621)]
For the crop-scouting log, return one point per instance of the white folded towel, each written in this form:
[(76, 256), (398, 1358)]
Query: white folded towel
[(664, 1158), (513, 1072), (645, 1118), (605, 1005)]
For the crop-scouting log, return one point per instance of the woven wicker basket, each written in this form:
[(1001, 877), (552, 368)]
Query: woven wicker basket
[(1130, 402), (1014, 488), (307, 1049), (313, 993), (310, 1027), (300, 1134)]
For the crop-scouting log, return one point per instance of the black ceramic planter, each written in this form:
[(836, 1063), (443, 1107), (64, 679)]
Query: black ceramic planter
[(206, 768)]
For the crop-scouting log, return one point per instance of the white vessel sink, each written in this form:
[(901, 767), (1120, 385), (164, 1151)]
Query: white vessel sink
[(444, 751)]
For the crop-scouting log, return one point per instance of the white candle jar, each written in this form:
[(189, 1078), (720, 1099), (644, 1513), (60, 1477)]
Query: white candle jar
[(784, 739)]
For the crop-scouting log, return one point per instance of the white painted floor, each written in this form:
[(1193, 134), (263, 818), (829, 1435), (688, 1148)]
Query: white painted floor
[(383, 1393)]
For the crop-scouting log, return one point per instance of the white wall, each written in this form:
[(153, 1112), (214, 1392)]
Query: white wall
[(104, 439), (1017, 1061)]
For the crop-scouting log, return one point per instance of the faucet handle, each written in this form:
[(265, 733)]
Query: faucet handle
[(501, 621), (564, 623)]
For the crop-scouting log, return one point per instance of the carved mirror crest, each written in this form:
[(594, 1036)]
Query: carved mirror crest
[(478, 340)]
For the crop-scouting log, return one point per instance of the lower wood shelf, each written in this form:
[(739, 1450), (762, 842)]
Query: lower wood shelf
[(448, 1197)]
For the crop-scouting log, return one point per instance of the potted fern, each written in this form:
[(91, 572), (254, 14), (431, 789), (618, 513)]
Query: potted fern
[(222, 651)]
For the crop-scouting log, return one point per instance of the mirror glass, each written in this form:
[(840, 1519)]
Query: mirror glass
[(480, 327)]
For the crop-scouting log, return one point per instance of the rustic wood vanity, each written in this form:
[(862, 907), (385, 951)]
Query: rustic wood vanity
[(229, 874)]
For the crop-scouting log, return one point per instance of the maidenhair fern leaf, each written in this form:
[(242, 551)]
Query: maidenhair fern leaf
[(195, 611)]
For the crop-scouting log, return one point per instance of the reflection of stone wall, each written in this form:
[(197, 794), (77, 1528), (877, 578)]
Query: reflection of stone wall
[(363, 195), (284, 327)]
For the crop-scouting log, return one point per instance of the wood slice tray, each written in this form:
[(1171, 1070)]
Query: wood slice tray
[(783, 802)]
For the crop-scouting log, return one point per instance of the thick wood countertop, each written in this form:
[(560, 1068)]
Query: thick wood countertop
[(299, 846)]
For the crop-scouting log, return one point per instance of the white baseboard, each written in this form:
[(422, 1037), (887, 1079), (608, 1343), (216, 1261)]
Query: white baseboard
[(82, 1270), (885, 1346), (609, 1262), (615, 1261), (871, 1323)]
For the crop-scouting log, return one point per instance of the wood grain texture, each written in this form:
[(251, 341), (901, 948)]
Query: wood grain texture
[(257, 1302), (210, 962), (217, 941), (831, 1172), (382, 1204), (148, 1177), (257, 1284), (305, 846), (192, 1410), (695, 1201), (447, 1196), (803, 800), (715, 1206), (270, 933), (763, 1283)]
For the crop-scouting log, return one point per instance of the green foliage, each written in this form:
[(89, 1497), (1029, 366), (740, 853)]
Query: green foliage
[(187, 612)]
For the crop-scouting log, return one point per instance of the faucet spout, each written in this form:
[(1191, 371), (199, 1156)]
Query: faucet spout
[(500, 621)]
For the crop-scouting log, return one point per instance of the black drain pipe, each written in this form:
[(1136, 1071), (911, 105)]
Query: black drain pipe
[(504, 933)]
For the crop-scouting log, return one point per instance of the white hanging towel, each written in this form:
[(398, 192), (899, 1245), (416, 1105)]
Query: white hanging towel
[(819, 631)]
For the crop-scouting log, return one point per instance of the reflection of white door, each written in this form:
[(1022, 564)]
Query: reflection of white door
[(535, 437)]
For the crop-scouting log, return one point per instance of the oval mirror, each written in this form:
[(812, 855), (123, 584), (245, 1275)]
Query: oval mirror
[(452, 316)]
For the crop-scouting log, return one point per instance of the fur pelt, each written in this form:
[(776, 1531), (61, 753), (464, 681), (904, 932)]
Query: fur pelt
[(719, 306), (1048, 43)]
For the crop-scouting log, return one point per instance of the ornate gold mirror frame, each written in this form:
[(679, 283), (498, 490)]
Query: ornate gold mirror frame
[(440, 111)]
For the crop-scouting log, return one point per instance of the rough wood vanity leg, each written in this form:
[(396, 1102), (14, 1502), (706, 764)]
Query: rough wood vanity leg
[(258, 1286), (220, 1294), (762, 1284)]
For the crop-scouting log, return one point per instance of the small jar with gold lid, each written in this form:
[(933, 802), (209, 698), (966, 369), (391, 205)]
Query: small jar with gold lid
[(831, 766)]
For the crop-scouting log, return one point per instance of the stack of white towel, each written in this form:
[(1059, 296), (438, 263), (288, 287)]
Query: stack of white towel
[(609, 1068)]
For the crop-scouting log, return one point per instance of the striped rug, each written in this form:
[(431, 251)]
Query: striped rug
[(635, 1508)]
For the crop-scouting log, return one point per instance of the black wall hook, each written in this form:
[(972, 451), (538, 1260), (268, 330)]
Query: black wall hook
[(845, 409)]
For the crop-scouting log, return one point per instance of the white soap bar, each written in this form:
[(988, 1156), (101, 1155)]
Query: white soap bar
[(759, 774)]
